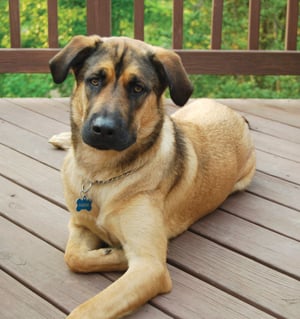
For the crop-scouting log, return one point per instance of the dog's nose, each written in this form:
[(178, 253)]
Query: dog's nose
[(104, 127), (107, 132)]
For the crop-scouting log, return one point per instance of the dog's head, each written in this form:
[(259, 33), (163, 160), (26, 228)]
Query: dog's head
[(119, 85)]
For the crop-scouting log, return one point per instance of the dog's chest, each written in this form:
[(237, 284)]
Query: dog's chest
[(93, 216)]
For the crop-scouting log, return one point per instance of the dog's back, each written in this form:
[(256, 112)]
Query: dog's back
[(225, 159)]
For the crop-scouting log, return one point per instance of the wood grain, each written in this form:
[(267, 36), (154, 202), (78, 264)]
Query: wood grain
[(220, 62), (19, 302), (239, 275), (271, 249)]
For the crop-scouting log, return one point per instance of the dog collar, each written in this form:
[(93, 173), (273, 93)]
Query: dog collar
[(84, 203)]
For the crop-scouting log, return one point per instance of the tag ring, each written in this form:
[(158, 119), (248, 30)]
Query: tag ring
[(85, 188)]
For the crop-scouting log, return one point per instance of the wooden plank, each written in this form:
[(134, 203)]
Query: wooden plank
[(14, 23), (195, 61), (192, 298), (42, 267), (276, 129), (177, 24), (291, 27), (278, 167), (139, 19), (264, 213), (276, 190), (276, 146), (253, 27), (46, 220), (63, 100), (254, 62), (286, 111), (31, 174), (240, 276), (29, 120), (26, 60), (269, 248), (30, 144), (44, 106), (19, 302), (52, 24), (99, 17)]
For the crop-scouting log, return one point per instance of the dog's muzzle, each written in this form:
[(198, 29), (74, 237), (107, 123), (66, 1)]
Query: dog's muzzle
[(107, 132)]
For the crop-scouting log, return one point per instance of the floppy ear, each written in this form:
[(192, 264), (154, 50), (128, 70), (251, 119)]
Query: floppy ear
[(72, 55), (179, 85)]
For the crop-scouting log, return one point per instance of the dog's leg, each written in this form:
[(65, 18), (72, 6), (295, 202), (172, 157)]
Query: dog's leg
[(84, 255), (247, 174), (145, 244)]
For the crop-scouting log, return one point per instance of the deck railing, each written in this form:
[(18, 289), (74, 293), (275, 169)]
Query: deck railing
[(214, 61)]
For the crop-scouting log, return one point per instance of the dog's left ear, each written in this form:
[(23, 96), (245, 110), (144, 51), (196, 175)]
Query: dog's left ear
[(179, 84)]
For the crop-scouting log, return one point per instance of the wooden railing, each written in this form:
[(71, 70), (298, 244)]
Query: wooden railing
[(214, 61)]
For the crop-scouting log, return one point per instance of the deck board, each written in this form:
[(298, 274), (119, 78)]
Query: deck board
[(251, 240), (242, 260), (228, 270), (17, 301)]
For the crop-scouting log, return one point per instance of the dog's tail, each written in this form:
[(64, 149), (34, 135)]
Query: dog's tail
[(61, 141), (248, 123)]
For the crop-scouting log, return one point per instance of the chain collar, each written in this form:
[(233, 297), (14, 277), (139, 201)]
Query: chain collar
[(88, 185)]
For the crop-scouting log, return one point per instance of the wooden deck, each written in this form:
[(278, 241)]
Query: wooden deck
[(242, 261)]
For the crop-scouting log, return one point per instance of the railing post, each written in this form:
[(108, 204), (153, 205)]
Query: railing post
[(291, 25), (216, 28), (52, 24), (99, 17), (14, 21), (139, 19), (177, 24), (254, 21)]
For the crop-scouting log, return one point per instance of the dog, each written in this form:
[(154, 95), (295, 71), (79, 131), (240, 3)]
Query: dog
[(135, 177)]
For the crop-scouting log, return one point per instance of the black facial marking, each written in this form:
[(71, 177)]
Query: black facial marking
[(179, 157), (120, 64)]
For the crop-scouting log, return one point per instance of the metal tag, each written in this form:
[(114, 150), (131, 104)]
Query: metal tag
[(83, 204)]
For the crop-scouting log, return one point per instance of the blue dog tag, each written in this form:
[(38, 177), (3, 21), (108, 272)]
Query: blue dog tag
[(83, 204)]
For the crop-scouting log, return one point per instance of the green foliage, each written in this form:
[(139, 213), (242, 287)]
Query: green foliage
[(158, 23), (230, 86), (158, 31), (122, 21), (71, 19), (33, 85)]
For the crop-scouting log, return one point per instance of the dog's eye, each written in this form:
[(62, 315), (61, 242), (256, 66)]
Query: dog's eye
[(94, 82), (137, 89)]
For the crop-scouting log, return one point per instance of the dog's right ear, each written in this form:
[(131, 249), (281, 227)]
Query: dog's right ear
[(72, 55)]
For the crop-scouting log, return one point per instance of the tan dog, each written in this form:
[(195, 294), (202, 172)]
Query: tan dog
[(135, 177)]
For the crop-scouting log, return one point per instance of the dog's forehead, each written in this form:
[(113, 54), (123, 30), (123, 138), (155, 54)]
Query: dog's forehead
[(122, 53), (120, 44)]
